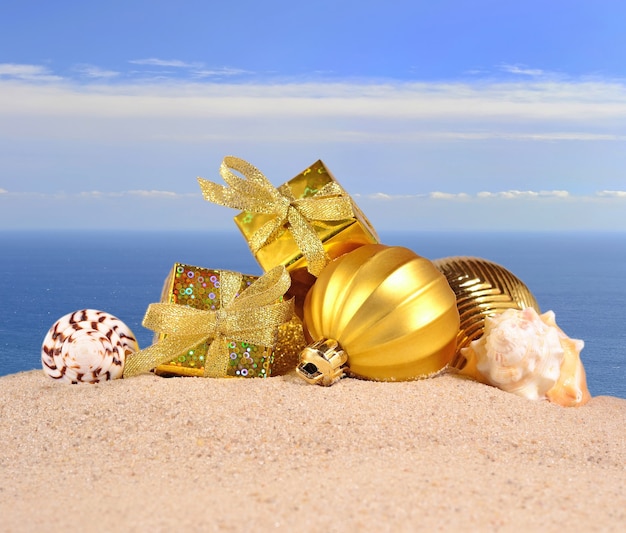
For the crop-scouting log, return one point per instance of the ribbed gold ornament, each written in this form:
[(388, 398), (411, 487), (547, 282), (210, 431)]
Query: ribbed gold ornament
[(483, 288), (384, 312)]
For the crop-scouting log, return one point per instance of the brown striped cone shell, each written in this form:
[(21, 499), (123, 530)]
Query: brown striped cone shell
[(87, 346), (483, 289)]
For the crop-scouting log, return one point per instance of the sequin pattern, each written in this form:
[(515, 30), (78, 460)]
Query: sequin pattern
[(200, 288)]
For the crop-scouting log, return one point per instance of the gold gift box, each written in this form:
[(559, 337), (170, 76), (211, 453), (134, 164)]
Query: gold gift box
[(337, 237), (199, 288)]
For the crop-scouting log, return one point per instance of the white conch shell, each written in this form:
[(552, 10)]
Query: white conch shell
[(529, 355)]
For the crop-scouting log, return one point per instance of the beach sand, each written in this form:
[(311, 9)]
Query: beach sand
[(194, 454)]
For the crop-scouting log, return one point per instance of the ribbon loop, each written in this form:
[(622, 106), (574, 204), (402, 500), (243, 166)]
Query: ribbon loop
[(256, 194), (252, 315)]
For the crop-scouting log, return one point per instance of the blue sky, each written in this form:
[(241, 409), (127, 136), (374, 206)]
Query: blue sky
[(433, 115)]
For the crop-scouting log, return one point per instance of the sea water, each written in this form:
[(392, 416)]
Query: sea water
[(45, 275)]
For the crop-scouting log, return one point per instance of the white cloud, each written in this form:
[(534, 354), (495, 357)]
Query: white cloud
[(499, 195), (27, 73), (521, 69), (176, 63), (437, 195), (524, 194), (385, 196), (611, 194), (94, 194), (92, 71), (507, 194), (143, 193), (557, 136), (380, 196), (166, 210), (220, 72), (511, 194), (3, 191), (483, 135), (160, 194), (558, 103), (556, 194), (520, 211)]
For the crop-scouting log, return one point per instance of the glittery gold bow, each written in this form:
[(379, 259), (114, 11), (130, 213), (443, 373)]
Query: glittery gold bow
[(256, 194), (252, 316)]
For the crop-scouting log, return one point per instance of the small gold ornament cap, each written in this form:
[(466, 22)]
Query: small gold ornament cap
[(323, 362)]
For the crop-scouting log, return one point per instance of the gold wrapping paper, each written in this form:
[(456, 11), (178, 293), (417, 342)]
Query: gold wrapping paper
[(289, 343), (302, 224), (215, 323)]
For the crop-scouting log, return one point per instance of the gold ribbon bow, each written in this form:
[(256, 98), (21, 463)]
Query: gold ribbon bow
[(252, 316), (256, 194)]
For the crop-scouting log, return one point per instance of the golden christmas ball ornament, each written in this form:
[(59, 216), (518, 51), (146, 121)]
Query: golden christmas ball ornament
[(483, 289), (378, 312)]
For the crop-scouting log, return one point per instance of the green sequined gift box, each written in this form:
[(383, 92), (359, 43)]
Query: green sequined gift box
[(199, 288)]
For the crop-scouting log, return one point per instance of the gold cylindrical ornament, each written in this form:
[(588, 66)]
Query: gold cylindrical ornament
[(482, 288), (390, 311)]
